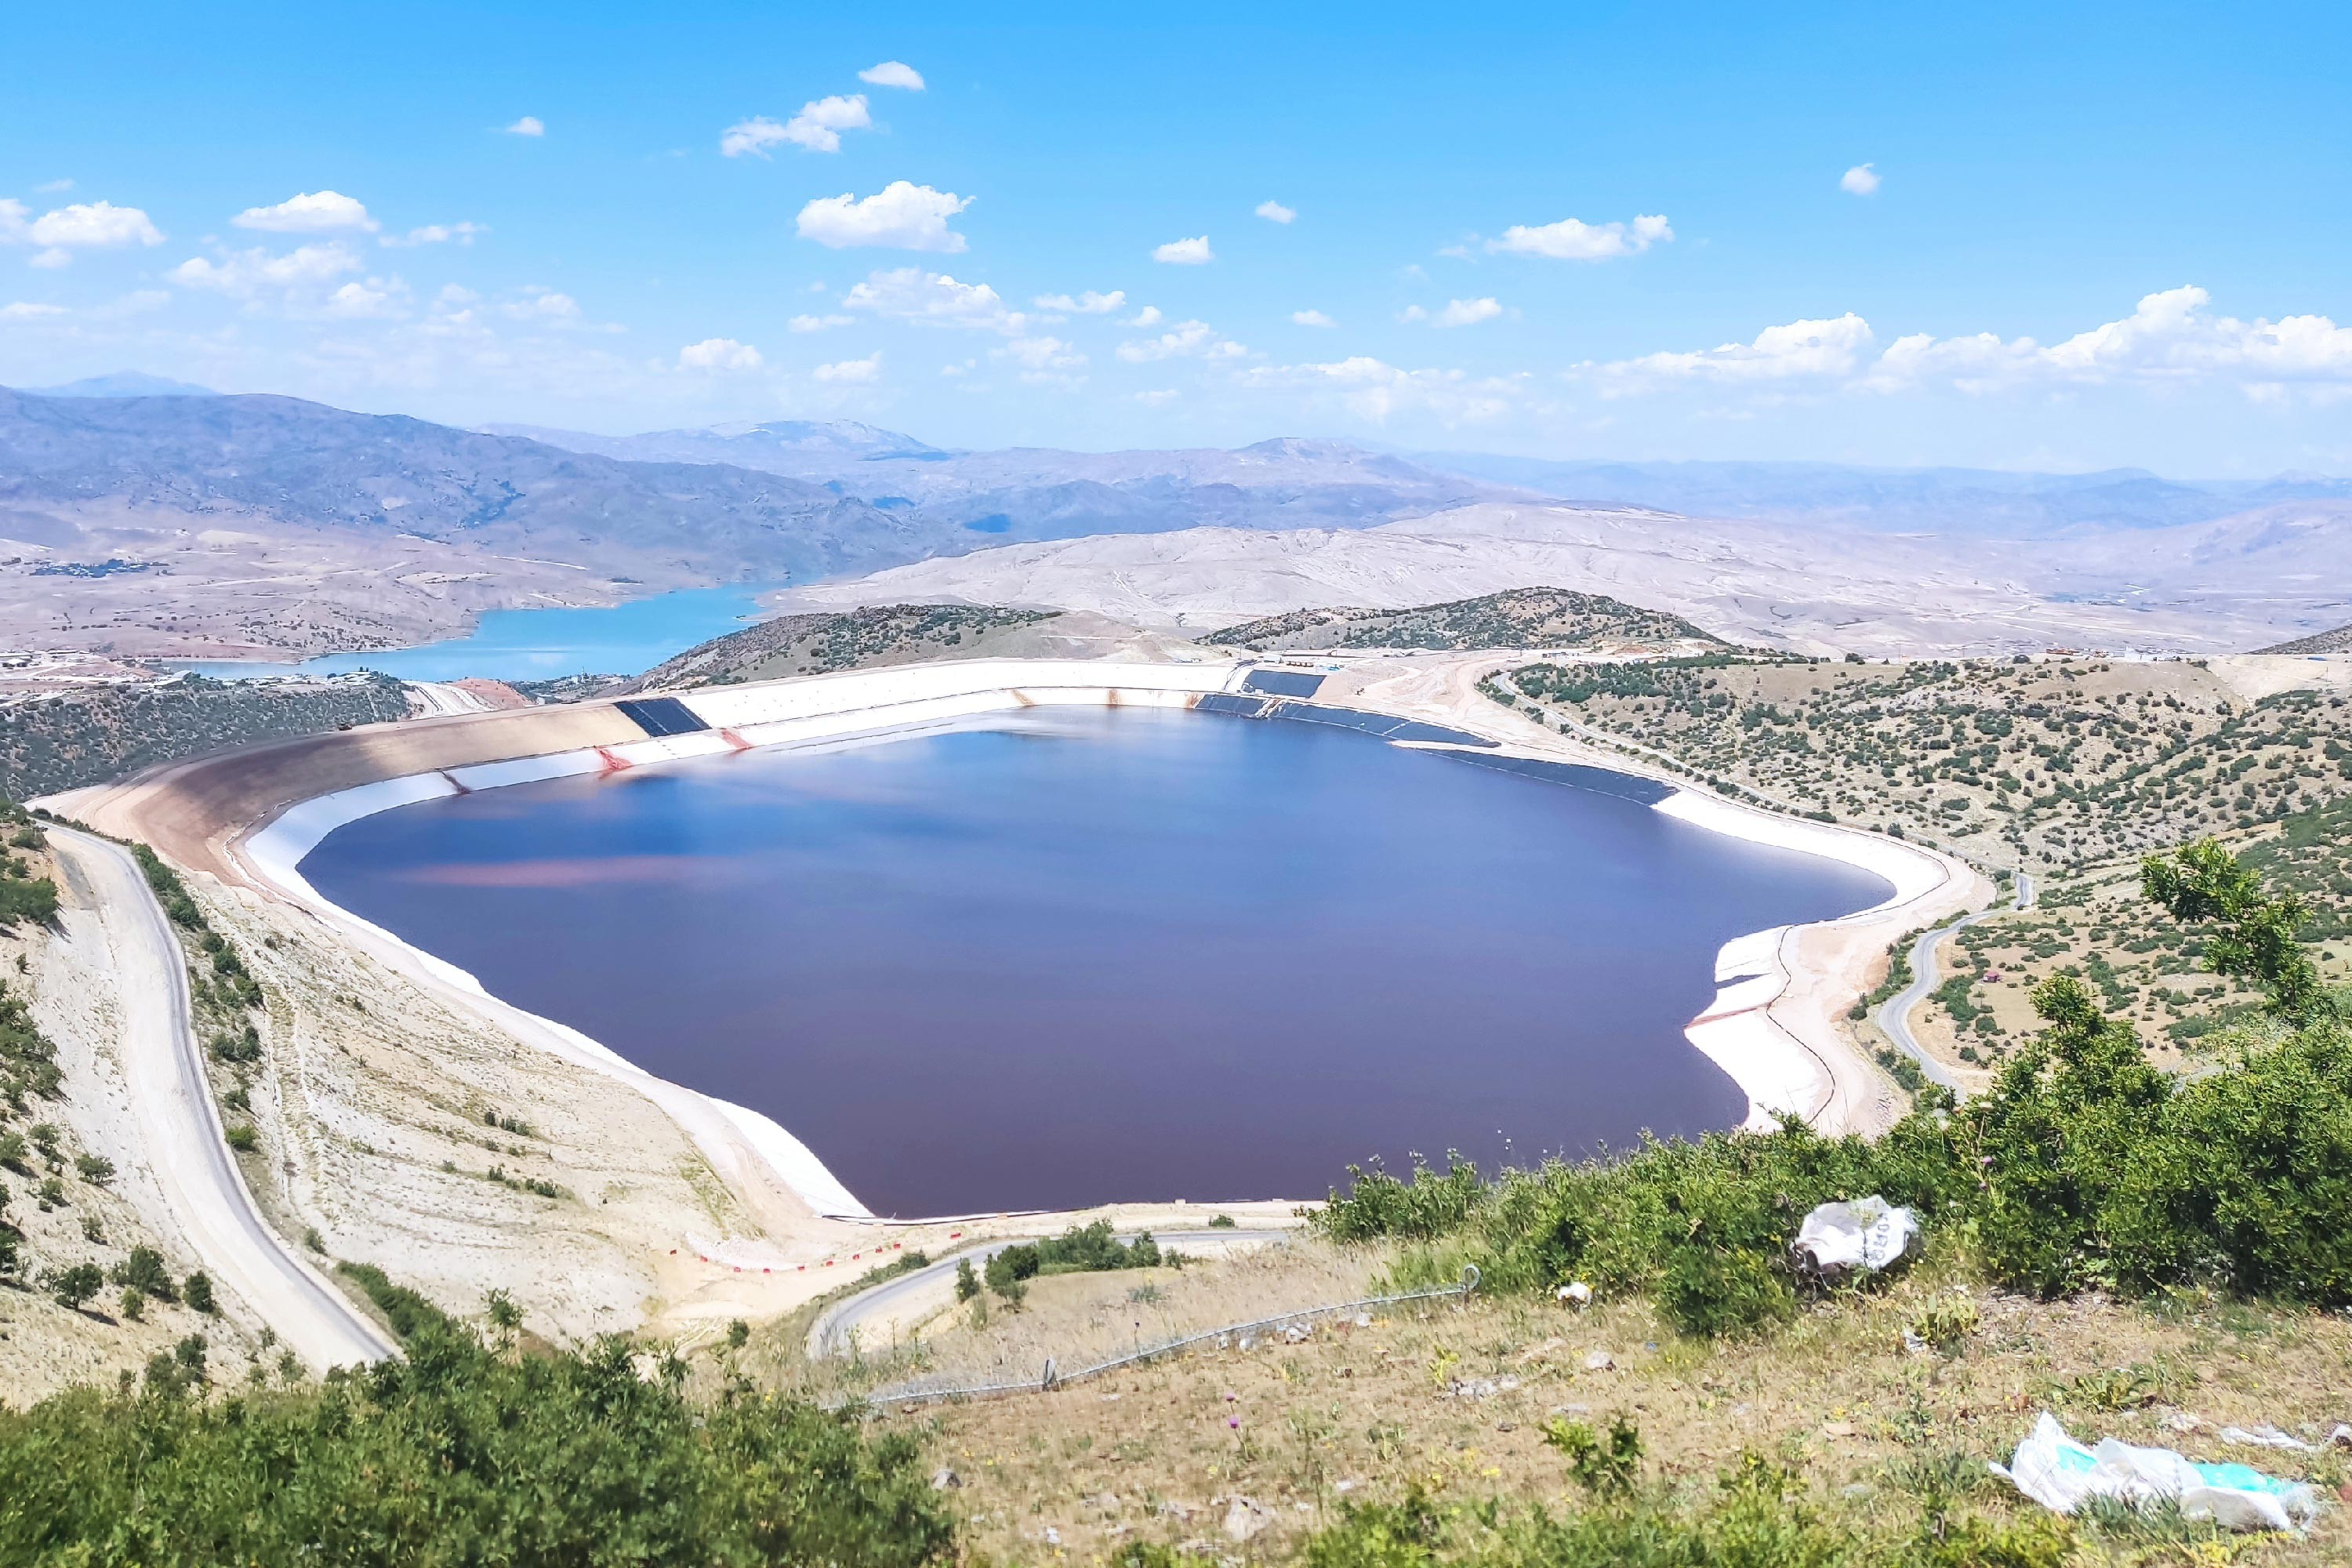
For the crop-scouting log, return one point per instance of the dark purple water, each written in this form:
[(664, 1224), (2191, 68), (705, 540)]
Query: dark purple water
[(1106, 955)]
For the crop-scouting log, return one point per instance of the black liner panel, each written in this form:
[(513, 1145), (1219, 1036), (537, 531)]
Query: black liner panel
[(1386, 726), (659, 716), (1599, 781), (1283, 682)]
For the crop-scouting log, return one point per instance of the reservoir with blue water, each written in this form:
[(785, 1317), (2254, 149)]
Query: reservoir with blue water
[(1084, 955), (539, 645)]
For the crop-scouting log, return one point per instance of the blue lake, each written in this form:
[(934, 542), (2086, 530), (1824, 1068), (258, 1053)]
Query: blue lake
[(536, 644), (1108, 954)]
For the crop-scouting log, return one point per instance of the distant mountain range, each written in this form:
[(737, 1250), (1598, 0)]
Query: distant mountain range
[(1979, 502), (125, 383)]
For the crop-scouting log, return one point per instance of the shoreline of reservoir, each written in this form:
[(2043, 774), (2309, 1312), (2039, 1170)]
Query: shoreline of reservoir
[(1781, 1067)]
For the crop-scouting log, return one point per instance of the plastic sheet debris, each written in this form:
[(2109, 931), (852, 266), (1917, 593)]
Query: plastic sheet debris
[(1575, 1294), (2061, 1474), (1868, 1233), (2264, 1437)]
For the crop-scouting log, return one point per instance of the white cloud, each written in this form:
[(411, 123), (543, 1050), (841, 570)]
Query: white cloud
[(436, 234), (1799, 349), (529, 125), (1861, 180), (1571, 240), (55, 257), (1467, 313), (1373, 390), (248, 273), (817, 127), (542, 304), (816, 323), (924, 299), (893, 73), (1186, 340), (1413, 313), (1149, 316), (1185, 252), (371, 298), (901, 216), (84, 226), (29, 310), (851, 372), (719, 353), (1086, 304), (1045, 360), (51, 187), (1275, 212), (1158, 398), (320, 211), (1311, 319)]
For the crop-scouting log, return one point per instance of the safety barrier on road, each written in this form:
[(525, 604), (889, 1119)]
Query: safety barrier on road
[(1053, 1377)]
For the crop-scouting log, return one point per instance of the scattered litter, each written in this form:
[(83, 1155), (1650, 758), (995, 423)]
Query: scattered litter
[(2264, 1437), (1837, 1428), (2061, 1474), (1914, 1345), (2178, 1421), (945, 1480), (1599, 1360), (2341, 1438), (1868, 1233), (1245, 1518), (1347, 1486), (1179, 1511), (1363, 1319), (1481, 1387), (1576, 1293), (1295, 1333), (1571, 1410), (1051, 1536), (1249, 1341), (1107, 1501)]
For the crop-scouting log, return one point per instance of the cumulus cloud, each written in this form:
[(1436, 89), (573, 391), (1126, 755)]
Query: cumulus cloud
[(1045, 360), (1186, 340), (366, 300), (29, 310), (1799, 349), (1149, 316), (83, 225), (542, 305), (1190, 252), (1861, 180), (901, 216), (817, 127), (1466, 312), (923, 298), (893, 73), (245, 274), (436, 234), (851, 372), (816, 323), (319, 212), (51, 187), (1275, 212), (529, 125), (1311, 319), (1572, 240), (1086, 304), (719, 353), (1373, 390), (1158, 397)]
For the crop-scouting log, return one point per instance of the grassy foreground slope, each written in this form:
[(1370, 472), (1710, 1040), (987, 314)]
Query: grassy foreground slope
[(104, 732), (1518, 618), (2337, 641)]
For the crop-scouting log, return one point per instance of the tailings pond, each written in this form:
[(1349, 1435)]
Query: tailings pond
[(1090, 955)]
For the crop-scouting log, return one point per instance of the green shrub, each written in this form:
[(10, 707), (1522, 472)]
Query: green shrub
[(455, 1454)]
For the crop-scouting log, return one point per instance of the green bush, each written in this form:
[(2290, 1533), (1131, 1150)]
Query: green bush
[(456, 1454)]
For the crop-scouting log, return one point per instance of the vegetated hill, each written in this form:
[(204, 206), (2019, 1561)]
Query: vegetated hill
[(2039, 764), (2337, 641), (304, 464), (1971, 501), (1517, 618), (125, 383), (1033, 493), (821, 643), (104, 733)]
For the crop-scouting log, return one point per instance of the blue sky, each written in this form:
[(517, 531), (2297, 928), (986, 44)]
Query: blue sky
[(2086, 236)]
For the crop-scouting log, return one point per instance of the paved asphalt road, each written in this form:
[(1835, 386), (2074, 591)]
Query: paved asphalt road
[(179, 1129), (830, 1335), (1895, 1013)]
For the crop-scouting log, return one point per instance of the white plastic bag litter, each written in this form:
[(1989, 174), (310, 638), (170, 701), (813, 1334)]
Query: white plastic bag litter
[(1867, 1234), (2059, 1473)]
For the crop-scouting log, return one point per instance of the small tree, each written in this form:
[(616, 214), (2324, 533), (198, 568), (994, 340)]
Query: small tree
[(143, 1271), (135, 1304), (967, 1280), (199, 1293), (75, 1285)]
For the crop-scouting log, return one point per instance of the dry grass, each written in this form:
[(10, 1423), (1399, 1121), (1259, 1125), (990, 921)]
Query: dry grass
[(1454, 1396)]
